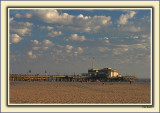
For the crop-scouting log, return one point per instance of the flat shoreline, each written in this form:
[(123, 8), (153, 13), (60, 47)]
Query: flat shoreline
[(25, 92)]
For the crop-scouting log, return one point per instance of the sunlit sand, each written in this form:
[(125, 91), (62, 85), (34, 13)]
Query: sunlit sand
[(25, 92)]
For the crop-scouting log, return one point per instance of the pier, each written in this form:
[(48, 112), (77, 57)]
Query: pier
[(67, 78)]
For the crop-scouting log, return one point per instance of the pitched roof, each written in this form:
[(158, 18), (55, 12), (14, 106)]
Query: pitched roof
[(109, 69)]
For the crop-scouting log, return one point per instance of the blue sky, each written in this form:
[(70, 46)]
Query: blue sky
[(64, 41)]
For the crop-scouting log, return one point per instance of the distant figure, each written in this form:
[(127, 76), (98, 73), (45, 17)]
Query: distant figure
[(104, 83), (130, 81)]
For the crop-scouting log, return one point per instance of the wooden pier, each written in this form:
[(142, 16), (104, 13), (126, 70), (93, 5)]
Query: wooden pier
[(17, 77)]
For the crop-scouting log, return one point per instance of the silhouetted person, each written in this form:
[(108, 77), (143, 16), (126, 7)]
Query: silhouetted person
[(130, 81)]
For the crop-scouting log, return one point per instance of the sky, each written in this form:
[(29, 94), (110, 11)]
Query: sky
[(65, 41)]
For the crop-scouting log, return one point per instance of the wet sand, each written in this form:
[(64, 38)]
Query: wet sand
[(24, 92)]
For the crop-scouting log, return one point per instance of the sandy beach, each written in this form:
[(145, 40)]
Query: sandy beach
[(25, 92)]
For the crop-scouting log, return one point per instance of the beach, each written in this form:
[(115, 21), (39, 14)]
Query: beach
[(43, 92)]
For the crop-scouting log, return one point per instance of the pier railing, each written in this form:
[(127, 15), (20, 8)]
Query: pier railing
[(17, 77)]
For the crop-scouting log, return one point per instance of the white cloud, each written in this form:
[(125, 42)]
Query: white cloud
[(45, 48), (49, 16), (21, 31), (39, 48), (136, 37), (83, 17), (54, 33), (146, 36), (68, 51), (69, 48), (96, 28), (107, 41), (30, 54), (139, 46), (88, 24), (124, 17), (79, 23), (18, 16), (75, 53), (101, 20), (88, 29), (11, 19), (28, 15), (47, 42), (44, 45), (122, 48), (46, 27), (14, 38), (35, 48), (36, 42), (52, 16), (104, 21), (80, 50), (21, 28), (106, 38), (118, 51), (132, 29), (75, 37), (103, 49)]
